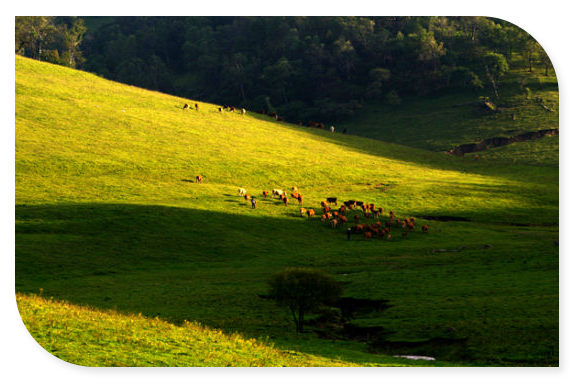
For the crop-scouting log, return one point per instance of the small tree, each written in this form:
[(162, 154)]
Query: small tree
[(303, 290), (495, 66)]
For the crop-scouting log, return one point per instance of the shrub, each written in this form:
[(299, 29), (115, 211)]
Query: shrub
[(303, 290)]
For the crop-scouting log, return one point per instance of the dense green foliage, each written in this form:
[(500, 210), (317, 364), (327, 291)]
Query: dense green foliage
[(52, 39), (303, 290), (107, 216), (307, 68)]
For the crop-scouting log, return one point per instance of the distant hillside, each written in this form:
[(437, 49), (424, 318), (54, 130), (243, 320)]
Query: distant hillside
[(439, 123)]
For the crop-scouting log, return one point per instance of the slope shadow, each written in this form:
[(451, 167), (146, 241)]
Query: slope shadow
[(173, 263)]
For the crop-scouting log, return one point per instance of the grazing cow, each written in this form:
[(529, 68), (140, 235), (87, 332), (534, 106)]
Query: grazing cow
[(278, 192), (232, 109), (476, 157), (323, 204), (186, 106), (247, 197), (389, 236), (302, 211), (368, 235), (329, 215), (349, 203), (199, 179), (243, 111), (294, 189), (332, 201), (372, 206), (273, 115), (359, 204), (425, 228), (335, 214), (219, 109), (326, 209), (294, 195), (196, 107), (410, 226), (332, 128), (342, 210), (334, 223), (323, 217), (253, 203), (311, 213), (343, 219), (242, 192), (285, 200), (265, 194), (359, 227), (300, 199)]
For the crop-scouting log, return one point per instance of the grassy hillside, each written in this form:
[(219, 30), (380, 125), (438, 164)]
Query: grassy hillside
[(108, 216), (439, 123), (114, 339)]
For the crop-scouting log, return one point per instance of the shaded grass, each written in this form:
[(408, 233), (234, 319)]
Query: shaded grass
[(441, 122)]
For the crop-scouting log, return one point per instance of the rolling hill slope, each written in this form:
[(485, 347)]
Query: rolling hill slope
[(108, 215)]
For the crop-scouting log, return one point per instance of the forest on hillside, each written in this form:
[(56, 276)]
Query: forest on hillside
[(302, 68)]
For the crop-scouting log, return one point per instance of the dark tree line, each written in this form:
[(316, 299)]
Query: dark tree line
[(300, 67)]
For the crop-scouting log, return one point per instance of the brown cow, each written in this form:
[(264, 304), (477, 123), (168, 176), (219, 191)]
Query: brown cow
[(185, 106), (199, 178), (265, 194), (285, 200), (368, 235), (196, 107), (311, 213), (425, 228), (334, 223), (300, 199), (302, 211), (247, 197), (343, 219)]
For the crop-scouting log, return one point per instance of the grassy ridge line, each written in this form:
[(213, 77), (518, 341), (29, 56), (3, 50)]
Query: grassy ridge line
[(80, 138), (90, 337)]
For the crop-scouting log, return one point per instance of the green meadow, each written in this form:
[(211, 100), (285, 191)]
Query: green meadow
[(123, 259)]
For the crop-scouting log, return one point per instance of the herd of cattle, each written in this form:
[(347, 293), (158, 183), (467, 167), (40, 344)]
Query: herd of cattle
[(347, 215)]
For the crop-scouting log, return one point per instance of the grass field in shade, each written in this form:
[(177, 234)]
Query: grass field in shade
[(111, 227)]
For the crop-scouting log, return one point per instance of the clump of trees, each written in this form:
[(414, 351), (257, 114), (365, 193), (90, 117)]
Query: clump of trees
[(53, 39), (302, 291), (303, 68)]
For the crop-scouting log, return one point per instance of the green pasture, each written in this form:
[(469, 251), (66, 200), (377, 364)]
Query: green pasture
[(109, 217)]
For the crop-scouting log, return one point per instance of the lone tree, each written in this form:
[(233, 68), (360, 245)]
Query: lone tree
[(303, 290)]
